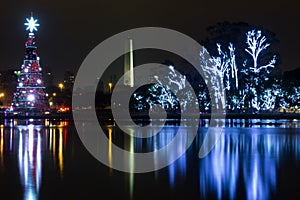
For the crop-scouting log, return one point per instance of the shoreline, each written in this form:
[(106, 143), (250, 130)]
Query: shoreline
[(107, 115)]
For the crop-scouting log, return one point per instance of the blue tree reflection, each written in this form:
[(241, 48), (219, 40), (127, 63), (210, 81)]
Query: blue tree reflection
[(245, 161)]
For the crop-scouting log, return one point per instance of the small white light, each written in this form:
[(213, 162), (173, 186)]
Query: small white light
[(39, 81), (26, 70), (30, 97), (21, 84)]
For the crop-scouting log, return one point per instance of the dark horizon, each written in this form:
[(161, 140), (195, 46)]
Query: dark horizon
[(70, 30)]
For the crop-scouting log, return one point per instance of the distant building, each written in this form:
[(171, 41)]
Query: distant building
[(8, 83), (69, 79), (48, 76)]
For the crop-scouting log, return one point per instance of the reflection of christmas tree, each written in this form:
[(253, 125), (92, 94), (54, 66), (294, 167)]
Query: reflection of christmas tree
[(30, 96)]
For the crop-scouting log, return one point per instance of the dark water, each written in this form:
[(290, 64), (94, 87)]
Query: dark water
[(41, 159)]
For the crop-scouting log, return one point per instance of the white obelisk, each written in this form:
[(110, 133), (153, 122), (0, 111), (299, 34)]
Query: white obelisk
[(128, 65)]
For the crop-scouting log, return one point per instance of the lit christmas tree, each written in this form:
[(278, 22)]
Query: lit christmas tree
[(30, 97)]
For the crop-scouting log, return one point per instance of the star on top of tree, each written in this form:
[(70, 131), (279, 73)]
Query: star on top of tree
[(31, 24)]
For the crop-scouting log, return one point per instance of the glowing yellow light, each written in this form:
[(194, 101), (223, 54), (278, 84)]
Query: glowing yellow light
[(1, 147), (61, 86), (60, 151), (54, 142), (110, 86), (110, 148)]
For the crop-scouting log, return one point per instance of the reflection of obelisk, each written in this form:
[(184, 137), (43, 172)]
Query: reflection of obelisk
[(128, 65)]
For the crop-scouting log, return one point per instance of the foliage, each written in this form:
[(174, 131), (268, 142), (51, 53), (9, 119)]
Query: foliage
[(245, 60)]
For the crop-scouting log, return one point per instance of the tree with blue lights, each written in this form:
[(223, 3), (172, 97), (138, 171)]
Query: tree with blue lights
[(243, 57), (158, 93), (30, 97), (245, 66), (256, 72)]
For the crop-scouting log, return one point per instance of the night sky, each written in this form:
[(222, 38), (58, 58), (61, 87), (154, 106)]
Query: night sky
[(69, 30)]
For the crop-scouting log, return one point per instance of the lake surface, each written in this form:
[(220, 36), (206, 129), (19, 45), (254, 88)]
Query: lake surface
[(45, 159)]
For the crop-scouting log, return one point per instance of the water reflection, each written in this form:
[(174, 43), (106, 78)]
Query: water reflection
[(246, 159), (259, 123), (1, 147), (135, 144), (110, 130), (28, 141), (246, 163), (243, 165), (220, 169), (30, 161)]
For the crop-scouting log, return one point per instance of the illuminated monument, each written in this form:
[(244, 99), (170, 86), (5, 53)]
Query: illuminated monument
[(128, 64), (30, 97)]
